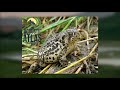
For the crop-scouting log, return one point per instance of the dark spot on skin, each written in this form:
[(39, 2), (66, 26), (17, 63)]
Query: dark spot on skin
[(60, 46), (60, 55), (52, 53), (48, 43), (49, 50), (46, 54), (53, 58), (63, 37), (51, 61), (61, 41), (56, 54), (57, 44), (52, 43), (53, 47), (63, 44), (49, 57), (56, 40), (57, 50)]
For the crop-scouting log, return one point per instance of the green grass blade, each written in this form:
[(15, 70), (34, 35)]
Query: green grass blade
[(68, 23), (59, 19), (29, 49), (55, 24), (26, 44), (53, 18)]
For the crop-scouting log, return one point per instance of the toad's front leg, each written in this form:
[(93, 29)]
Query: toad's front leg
[(42, 64), (36, 66), (63, 61), (33, 67), (62, 58)]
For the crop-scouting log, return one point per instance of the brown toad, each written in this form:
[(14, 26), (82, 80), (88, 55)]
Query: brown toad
[(57, 47)]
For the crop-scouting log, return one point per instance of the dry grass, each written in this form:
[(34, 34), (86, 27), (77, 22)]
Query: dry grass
[(83, 61)]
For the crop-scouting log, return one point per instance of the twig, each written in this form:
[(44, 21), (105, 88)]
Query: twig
[(28, 58), (88, 23), (91, 35), (87, 37), (87, 40), (94, 48), (31, 50), (87, 67), (64, 17), (81, 25), (25, 44), (74, 63), (90, 20), (88, 46), (28, 62), (44, 69), (27, 55), (79, 69)]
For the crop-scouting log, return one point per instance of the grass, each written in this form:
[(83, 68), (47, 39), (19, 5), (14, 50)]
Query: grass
[(51, 25), (107, 31), (12, 69), (48, 23), (58, 23)]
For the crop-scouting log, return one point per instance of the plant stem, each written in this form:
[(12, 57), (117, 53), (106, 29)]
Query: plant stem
[(87, 40), (68, 23), (31, 50), (74, 63), (25, 44), (44, 69)]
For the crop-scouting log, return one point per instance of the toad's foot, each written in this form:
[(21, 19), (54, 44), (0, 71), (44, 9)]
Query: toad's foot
[(63, 61), (33, 67)]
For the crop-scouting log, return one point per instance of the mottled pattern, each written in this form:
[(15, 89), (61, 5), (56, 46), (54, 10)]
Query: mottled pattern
[(58, 47)]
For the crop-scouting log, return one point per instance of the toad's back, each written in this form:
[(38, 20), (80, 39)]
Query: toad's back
[(57, 45)]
